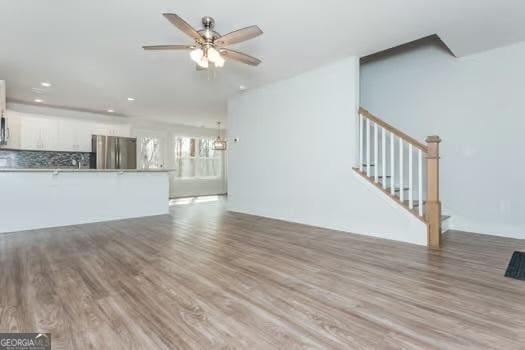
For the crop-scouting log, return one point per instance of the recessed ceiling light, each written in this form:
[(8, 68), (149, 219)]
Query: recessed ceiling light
[(45, 84), (131, 99), (37, 100), (242, 87), (111, 111)]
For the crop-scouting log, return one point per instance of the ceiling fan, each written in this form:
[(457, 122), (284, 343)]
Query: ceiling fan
[(209, 47)]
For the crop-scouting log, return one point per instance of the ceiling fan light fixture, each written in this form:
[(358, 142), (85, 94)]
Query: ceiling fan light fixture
[(203, 63), (220, 62), (213, 55), (197, 55)]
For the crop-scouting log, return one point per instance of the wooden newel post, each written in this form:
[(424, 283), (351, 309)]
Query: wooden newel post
[(433, 205)]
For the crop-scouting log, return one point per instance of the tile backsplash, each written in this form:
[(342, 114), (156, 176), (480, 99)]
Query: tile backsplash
[(10, 158)]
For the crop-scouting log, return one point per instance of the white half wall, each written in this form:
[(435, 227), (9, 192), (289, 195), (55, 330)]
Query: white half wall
[(476, 105), (294, 159), (33, 200)]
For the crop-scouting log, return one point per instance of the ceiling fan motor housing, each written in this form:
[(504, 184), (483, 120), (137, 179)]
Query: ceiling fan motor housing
[(207, 32), (208, 22)]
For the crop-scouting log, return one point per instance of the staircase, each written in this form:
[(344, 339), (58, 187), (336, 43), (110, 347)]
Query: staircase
[(404, 169)]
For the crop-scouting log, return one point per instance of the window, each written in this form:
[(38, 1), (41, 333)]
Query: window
[(196, 158), (185, 157), (209, 159), (150, 153)]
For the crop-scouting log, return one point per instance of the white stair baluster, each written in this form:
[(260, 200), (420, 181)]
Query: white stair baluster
[(368, 147), (401, 183), (392, 165), (361, 143), (376, 153), (383, 143), (420, 180), (410, 179)]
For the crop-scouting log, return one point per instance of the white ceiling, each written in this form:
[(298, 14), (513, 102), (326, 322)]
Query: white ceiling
[(91, 50)]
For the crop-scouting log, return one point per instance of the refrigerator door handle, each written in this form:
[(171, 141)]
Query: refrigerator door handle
[(117, 148)]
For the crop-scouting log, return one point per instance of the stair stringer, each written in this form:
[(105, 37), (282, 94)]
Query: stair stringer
[(415, 230)]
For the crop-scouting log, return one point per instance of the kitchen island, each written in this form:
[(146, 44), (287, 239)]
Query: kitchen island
[(41, 198)]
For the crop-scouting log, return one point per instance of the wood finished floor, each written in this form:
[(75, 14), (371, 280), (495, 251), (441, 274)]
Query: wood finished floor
[(203, 278)]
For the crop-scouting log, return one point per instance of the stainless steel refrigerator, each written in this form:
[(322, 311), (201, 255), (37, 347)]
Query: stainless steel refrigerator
[(113, 152)]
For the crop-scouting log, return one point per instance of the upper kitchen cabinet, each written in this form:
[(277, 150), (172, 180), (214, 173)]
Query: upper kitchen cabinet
[(35, 132), (121, 130), (74, 135), (3, 105), (39, 133)]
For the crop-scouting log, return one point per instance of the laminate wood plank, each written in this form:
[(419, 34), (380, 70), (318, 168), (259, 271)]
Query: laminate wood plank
[(205, 278)]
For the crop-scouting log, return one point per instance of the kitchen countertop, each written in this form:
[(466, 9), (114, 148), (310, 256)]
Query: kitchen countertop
[(82, 170)]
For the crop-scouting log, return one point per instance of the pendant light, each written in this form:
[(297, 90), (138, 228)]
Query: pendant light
[(219, 144)]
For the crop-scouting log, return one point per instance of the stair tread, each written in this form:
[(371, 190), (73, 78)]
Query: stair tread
[(415, 202), (397, 189)]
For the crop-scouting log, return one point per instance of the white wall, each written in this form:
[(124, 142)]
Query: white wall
[(477, 105), (294, 159), (32, 200)]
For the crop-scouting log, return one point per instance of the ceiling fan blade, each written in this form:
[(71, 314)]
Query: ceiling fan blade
[(239, 56), (183, 26), (168, 47), (239, 36), (199, 68)]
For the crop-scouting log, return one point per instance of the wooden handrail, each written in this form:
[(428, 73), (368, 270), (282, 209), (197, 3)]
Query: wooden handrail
[(393, 130)]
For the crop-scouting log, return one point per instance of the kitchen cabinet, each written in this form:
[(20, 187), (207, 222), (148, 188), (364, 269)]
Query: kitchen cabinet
[(3, 104), (61, 134), (74, 135), (121, 130), (38, 133)]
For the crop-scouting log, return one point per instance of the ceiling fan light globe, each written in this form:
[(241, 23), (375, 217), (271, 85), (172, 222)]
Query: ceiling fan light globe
[(220, 62), (203, 63), (197, 55), (213, 55)]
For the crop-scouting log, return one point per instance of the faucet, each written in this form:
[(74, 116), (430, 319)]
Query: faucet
[(78, 163)]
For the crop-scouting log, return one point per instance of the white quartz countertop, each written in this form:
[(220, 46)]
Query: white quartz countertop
[(82, 170)]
